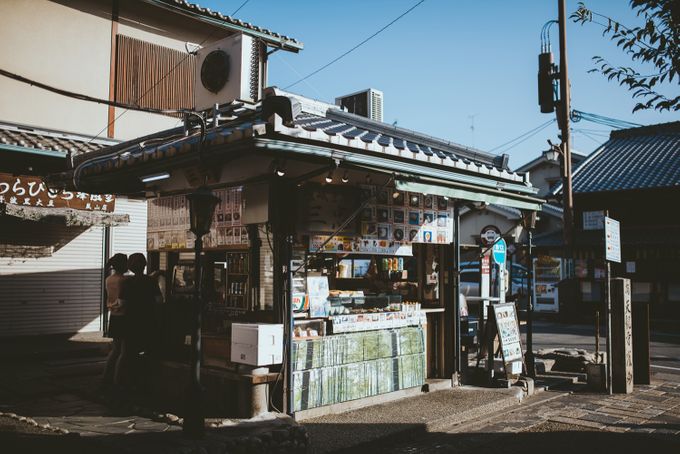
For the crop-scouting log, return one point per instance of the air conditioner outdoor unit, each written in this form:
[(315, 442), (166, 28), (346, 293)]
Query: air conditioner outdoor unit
[(226, 70), (367, 103)]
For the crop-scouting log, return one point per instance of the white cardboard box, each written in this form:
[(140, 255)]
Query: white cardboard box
[(256, 344)]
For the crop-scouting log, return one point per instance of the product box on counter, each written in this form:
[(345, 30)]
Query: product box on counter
[(257, 344)]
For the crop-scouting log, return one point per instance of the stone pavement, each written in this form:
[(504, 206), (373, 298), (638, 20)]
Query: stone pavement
[(49, 400), (648, 419), (406, 417)]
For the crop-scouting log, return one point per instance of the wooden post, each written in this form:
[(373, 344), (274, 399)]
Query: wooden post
[(641, 358)]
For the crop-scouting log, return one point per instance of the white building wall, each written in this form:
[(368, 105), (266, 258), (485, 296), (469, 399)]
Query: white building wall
[(56, 294), (130, 238)]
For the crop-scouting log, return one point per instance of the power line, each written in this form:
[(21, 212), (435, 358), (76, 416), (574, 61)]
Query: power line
[(82, 97), (239, 8), (355, 47), (533, 130), (527, 137)]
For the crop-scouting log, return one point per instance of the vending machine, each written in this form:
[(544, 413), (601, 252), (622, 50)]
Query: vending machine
[(548, 272)]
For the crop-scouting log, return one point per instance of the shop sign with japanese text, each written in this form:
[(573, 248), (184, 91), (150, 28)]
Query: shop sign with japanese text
[(31, 191)]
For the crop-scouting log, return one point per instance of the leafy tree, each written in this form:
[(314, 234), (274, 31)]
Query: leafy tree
[(656, 43)]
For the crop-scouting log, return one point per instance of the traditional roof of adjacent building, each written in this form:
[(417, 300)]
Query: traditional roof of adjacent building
[(24, 138), (647, 157), (217, 18)]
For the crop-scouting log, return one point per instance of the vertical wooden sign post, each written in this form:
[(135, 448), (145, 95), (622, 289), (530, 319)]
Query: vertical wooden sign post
[(622, 337)]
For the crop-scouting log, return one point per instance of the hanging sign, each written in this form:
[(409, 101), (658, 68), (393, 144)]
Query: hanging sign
[(612, 239), (498, 252), (32, 192)]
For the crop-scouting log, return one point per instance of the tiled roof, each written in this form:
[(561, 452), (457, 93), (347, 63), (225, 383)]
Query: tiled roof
[(231, 22), (29, 137), (336, 122), (314, 122), (637, 158)]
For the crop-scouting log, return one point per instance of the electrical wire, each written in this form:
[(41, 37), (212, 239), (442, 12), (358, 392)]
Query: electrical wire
[(531, 131), (577, 115), (585, 134), (355, 47), (239, 8), (82, 97)]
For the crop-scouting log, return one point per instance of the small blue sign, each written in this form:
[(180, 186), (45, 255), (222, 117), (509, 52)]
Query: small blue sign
[(498, 252)]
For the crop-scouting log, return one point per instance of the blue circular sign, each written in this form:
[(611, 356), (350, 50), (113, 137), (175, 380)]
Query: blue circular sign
[(499, 251)]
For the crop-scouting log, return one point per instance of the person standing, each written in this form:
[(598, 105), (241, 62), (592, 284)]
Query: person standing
[(117, 320), (139, 294)]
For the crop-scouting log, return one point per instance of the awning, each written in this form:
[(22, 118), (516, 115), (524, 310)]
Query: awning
[(70, 216), (468, 194)]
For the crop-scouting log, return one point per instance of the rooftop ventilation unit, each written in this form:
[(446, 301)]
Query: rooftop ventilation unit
[(367, 103), (228, 70)]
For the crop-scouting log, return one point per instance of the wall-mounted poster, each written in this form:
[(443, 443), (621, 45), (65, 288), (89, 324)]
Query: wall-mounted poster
[(392, 217), (168, 222)]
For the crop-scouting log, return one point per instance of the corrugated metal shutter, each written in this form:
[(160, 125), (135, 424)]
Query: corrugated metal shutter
[(56, 294), (130, 238)]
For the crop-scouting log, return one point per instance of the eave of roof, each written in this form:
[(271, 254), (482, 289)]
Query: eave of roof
[(198, 12), (272, 126)]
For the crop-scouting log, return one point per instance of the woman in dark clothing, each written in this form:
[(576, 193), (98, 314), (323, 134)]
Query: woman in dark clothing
[(117, 320)]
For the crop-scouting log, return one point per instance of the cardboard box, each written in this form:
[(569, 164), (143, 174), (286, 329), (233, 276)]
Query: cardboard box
[(256, 344)]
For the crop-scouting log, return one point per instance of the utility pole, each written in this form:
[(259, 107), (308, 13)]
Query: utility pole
[(563, 109)]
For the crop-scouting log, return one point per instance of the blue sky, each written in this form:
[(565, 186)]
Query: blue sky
[(448, 64)]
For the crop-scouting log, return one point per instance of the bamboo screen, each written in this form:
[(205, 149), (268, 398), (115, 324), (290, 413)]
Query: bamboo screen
[(153, 76)]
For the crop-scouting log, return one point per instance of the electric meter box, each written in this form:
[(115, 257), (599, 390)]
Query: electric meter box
[(257, 344)]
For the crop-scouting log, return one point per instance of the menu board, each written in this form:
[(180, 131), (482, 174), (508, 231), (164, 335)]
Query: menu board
[(508, 331), (168, 222)]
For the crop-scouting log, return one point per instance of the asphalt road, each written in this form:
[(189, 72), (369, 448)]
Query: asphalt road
[(665, 347)]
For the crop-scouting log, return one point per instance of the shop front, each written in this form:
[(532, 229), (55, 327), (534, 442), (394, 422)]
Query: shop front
[(329, 271)]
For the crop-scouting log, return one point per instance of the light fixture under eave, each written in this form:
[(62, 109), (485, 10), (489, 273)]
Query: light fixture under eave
[(345, 177), (279, 169), (155, 177), (329, 177)]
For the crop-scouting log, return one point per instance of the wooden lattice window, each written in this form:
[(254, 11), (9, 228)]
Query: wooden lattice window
[(153, 76)]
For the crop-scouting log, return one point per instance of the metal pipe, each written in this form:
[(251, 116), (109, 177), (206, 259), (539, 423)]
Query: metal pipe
[(609, 325), (290, 323), (194, 421), (529, 357), (456, 288)]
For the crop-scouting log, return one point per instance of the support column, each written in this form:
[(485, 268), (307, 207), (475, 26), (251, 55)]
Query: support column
[(282, 198)]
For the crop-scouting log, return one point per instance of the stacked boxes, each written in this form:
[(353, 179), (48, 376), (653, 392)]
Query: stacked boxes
[(352, 366)]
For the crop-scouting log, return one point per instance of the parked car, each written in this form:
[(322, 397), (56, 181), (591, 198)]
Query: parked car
[(470, 277)]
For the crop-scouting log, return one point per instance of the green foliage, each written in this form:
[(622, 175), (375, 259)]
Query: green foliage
[(656, 44)]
